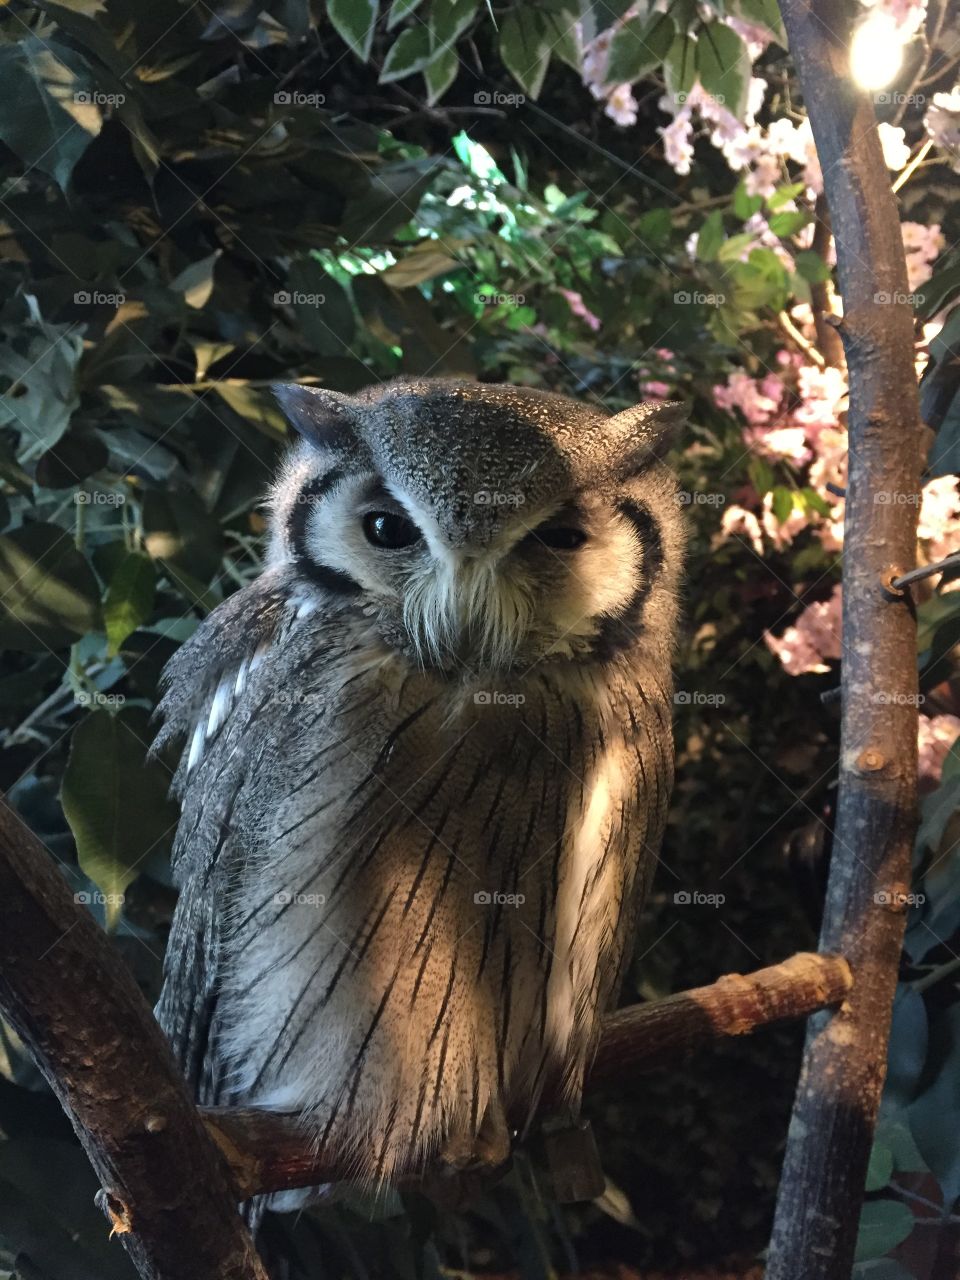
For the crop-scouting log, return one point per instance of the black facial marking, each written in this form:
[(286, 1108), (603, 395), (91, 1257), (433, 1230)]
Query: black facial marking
[(618, 633), (322, 574)]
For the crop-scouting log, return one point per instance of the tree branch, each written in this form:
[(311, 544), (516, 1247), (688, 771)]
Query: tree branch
[(166, 1190), (844, 1061), (268, 1151)]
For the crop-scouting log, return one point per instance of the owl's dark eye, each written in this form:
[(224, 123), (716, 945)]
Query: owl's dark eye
[(390, 530), (560, 537)]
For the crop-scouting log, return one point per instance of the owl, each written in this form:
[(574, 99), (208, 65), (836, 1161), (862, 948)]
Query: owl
[(426, 764)]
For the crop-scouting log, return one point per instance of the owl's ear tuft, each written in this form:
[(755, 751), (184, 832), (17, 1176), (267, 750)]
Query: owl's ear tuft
[(647, 431), (323, 417)]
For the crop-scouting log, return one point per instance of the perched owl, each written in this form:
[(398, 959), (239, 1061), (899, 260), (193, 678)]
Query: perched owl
[(427, 760)]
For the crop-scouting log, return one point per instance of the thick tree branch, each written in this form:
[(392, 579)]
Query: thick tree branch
[(268, 1151), (845, 1056), (166, 1190)]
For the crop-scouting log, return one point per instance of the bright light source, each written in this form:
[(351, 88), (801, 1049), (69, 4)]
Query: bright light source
[(876, 51)]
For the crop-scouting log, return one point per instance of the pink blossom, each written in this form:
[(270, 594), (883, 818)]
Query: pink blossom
[(579, 308), (621, 105), (942, 120), (781, 534), (738, 520), (939, 523), (788, 443), (907, 15), (936, 735), (922, 244), (658, 390), (822, 395), (813, 640), (678, 144), (758, 402)]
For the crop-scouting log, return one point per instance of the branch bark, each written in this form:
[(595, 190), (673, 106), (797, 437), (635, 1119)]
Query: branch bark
[(269, 1151), (844, 1060), (167, 1192)]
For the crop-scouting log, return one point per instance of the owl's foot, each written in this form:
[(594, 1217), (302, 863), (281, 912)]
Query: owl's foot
[(487, 1149)]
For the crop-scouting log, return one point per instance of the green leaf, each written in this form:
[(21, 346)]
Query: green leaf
[(196, 281), (564, 32), (811, 266), (679, 67), (449, 19), (723, 64), (789, 222), (784, 195), (48, 114), (48, 592), (440, 74), (115, 799), (782, 502), (942, 287), (129, 599), (638, 46), (765, 13), (399, 10), (745, 205), (710, 237), (428, 259), (324, 314), (880, 1168), (935, 1114), (409, 53), (883, 1225), (355, 22), (178, 530), (525, 48), (655, 227)]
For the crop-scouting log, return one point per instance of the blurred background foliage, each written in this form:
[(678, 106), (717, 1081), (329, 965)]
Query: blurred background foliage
[(197, 200)]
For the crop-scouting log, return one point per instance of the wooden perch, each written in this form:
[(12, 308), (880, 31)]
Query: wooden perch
[(166, 1190), (844, 1063), (268, 1151)]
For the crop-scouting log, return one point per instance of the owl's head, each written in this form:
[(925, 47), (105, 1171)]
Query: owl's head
[(483, 526)]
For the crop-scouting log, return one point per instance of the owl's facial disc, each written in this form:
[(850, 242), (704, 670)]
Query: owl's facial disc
[(563, 581)]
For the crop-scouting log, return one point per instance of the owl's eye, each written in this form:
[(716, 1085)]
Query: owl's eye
[(390, 530), (560, 537)]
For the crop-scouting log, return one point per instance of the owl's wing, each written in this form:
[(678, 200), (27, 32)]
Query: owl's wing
[(201, 705)]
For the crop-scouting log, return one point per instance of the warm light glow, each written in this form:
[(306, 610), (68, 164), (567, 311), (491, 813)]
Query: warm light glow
[(876, 51)]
